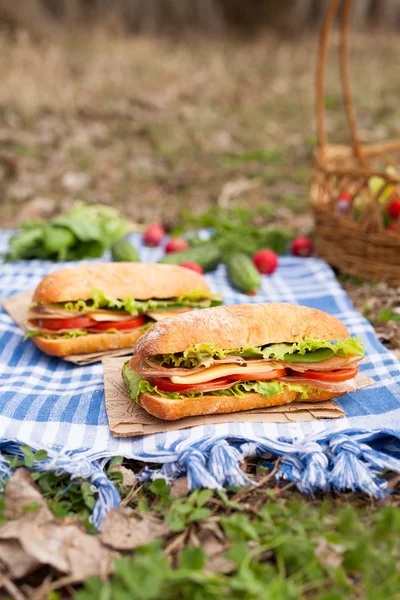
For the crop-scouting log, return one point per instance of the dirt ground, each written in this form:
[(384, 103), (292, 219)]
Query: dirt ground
[(154, 127)]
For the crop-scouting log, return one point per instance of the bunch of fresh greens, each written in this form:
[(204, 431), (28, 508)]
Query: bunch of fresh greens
[(85, 231), (237, 230)]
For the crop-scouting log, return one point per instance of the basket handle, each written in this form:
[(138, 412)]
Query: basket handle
[(344, 72)]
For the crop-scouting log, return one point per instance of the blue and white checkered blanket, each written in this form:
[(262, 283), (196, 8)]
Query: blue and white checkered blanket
[(48, 403)]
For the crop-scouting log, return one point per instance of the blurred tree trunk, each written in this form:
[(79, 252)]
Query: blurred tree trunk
[(385, 14), (28, 14), (179, 16), (360, 13)]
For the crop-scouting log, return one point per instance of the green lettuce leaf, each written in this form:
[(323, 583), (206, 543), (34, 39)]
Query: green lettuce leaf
[(199, 298), (132, 380), (308, 346), (304, 350), (136, 386), (74, 333), (265, 388)]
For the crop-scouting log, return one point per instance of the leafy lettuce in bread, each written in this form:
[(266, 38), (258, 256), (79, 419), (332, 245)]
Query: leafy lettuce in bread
[(136, 385), (199, 298), (305, 350)]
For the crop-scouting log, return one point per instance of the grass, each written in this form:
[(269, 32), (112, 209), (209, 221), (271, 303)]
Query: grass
[(286, 552), (267, 542)]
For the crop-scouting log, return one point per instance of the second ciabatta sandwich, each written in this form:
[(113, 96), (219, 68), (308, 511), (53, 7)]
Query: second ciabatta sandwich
[(241, 357), (107, 306)]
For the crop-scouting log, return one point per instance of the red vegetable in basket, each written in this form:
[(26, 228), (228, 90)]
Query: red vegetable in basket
[(344, 202), (302, 246), (394, 226), (394, 208), (266, 261), (176, 244), (153, 235)]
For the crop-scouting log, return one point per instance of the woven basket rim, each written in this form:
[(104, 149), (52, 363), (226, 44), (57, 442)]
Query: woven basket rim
[(356, 243), (342, 222), (326, 160)]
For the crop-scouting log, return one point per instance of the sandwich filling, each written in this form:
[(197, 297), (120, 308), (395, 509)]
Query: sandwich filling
[(104, 314), (304, 366)]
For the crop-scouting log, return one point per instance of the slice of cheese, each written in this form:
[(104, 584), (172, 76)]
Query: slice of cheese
[(110, 315), (222, 371), (159, 315)]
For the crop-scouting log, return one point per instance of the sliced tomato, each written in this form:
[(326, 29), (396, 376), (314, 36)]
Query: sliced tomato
[(165, 385), (275, 374), (121, 325), (75, 323), (338, 375)]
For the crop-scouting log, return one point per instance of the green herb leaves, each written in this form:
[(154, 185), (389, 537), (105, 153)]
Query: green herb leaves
[(85, 231)]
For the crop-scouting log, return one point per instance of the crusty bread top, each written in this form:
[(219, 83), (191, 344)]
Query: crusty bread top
[(140, 281), (235, 326)]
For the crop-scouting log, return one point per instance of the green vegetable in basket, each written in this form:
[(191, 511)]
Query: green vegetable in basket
[(85, 231)]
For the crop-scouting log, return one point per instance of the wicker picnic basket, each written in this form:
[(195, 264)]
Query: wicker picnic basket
[(352, 238)]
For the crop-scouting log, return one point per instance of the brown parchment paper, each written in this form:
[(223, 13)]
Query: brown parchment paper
[(17, 307), (127, 418)]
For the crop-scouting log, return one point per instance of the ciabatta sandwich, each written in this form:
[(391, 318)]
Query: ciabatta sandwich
[(240, 357), (99, 307)]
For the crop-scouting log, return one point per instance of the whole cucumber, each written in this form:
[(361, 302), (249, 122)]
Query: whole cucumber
[(123, 251), (208, 256), (243, 274)]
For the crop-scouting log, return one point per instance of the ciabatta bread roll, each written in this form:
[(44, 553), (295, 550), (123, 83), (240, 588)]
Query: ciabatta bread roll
[(234, 358)]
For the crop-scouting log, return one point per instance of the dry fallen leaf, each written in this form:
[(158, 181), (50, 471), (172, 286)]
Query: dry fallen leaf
[(393, 481), (21, 492), (35, 537), (329, 555), (180, 487), (235, 188), (67, 549), (129, 478), (123, 531), (17, 562), (214, 549)]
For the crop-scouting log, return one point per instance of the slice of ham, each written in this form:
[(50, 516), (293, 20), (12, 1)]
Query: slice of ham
[(339, 387), (336, 388), (44, 311), (329, 364), (148, 368)]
